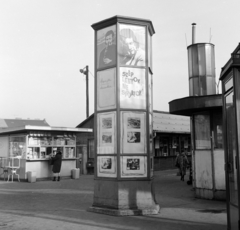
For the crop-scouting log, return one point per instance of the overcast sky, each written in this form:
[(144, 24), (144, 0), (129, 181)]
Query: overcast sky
[(44, 43)]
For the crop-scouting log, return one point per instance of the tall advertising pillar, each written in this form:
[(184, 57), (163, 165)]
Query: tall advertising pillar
[(123, 117)]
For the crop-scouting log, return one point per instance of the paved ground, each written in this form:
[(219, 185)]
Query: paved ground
[(48, 205)]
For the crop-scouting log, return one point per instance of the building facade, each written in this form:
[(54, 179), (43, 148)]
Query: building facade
[(27, 146)]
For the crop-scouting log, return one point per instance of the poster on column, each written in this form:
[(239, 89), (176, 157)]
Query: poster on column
[(133, 133), (132, 45), (107, 166), (133, 166), (106, 133), (106, 47), (132, 88), (106, 89)]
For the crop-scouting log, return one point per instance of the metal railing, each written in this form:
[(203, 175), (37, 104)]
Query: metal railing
[(9, 167)]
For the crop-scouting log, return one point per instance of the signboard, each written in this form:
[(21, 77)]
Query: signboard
[(106, 47), (106, 89), (132, 88), (106, 133), (133, 133), (106, 166), (133, 166)]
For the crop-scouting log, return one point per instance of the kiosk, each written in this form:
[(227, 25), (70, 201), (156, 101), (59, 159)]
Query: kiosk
[(30, 148), (230, 77), (204, 107)]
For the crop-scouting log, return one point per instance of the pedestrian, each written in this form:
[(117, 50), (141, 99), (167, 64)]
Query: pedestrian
[(182, 161), (177, 165), (57, 163)]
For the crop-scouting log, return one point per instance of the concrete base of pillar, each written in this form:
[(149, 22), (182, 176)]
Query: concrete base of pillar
[(210, 194), (124, 198)]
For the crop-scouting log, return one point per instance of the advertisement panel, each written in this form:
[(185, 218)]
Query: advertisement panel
[(106, 47), (133, 166), (106, 166), (132, 45), (133, 132), (132, 88), (106, 126), (106, 89)]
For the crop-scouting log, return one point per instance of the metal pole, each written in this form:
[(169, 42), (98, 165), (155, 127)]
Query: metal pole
[(87, 99), (193, 33)]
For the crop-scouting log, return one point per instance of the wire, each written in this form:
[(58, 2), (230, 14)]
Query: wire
[(90, 73)]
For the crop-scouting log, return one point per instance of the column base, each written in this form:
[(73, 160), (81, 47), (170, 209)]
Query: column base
[(209, 194), (124, 198), (126, 212)]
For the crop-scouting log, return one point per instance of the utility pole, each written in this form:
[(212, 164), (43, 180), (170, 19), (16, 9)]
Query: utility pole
[(85, 72)]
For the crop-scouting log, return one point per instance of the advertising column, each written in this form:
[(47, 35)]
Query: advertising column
[(123, 117)]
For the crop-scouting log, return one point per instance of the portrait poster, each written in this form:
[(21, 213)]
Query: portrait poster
[(106, 47), (106, 166), (106, 123), (133, 166), (132, 88), (106, 89), (133, 132), (132, 45)]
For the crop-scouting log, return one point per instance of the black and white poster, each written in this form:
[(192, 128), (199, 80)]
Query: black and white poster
[(133, 132), (107, 166), (133, 166), (106, 133)]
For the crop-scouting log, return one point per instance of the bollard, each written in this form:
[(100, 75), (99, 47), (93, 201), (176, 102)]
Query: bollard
[(75, 173), (31, 176)]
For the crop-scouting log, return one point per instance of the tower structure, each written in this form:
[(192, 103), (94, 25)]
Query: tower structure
[(204, 107), (123, 117)]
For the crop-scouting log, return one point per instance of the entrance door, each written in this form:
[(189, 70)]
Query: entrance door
[(231, 151)]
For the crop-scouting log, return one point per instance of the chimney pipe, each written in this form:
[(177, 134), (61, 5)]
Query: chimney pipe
[(193, 32)]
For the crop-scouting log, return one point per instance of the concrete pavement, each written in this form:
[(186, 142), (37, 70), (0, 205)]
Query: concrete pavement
[(63, 205)]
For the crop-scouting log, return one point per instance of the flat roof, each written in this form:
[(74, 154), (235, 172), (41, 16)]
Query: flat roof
[(43, 128)]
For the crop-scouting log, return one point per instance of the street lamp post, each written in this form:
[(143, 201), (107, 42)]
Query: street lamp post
[(85, 72)]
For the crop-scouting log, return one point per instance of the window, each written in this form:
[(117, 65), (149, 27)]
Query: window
[(41, 146), (17, 146), (217, 131), (229, 83), (202, 131), (69, 152)]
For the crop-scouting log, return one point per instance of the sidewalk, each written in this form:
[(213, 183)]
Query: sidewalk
[(48, 205)]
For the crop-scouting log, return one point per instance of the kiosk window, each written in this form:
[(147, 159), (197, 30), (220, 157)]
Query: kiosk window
[(202, 131), (18, 146)]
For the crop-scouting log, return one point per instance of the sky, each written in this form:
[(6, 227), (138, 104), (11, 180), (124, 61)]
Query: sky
[(44, 44)]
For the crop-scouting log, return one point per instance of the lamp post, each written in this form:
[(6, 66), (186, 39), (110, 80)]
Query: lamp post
[(85, 72)]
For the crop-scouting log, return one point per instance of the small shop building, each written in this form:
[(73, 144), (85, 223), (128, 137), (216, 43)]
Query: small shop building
[(171, 135), (28, 145)]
